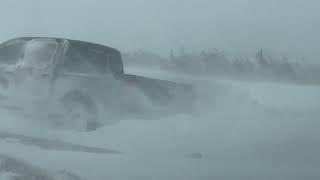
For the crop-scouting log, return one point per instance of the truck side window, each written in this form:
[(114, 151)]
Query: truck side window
[(79, 59)]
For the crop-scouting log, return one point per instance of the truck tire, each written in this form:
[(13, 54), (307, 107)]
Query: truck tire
[(79, 107), (4, 83)]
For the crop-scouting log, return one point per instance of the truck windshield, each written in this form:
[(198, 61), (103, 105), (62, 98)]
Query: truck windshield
[(10, 51), (39, 53)]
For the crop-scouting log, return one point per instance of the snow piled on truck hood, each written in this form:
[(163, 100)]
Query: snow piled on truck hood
[(239, 131)]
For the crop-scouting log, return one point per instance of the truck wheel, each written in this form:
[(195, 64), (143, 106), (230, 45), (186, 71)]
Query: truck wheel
[(4, 83), (79, 108)]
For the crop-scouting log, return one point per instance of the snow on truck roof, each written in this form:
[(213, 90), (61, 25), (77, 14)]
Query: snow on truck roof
[(71, 41), (114, 59)]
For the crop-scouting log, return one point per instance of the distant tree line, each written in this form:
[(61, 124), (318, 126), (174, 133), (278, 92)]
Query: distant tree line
[(261, 66)]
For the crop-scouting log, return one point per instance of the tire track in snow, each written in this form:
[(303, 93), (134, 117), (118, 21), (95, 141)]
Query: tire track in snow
[(56, 144)]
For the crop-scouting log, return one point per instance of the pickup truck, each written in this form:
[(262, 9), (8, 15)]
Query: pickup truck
[(74, 83)]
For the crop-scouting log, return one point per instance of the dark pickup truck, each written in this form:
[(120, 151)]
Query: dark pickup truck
[(77, 83)]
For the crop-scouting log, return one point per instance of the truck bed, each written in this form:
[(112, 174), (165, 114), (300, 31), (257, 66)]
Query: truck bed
[(176, 97)]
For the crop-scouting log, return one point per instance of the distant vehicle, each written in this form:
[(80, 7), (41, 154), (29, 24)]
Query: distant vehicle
[(75, 82)]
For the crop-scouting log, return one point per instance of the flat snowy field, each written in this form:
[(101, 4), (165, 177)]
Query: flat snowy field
[(241, 131)]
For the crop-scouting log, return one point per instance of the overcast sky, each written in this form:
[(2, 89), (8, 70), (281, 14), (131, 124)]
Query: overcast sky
[(290, 27)]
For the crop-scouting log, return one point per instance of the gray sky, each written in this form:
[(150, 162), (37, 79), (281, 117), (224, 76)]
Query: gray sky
[(290, 27)]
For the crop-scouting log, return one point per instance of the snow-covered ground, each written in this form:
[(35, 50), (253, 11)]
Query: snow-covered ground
[(241, 131)]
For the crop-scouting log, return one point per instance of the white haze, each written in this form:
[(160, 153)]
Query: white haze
[(240, 130), (239, 26)]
